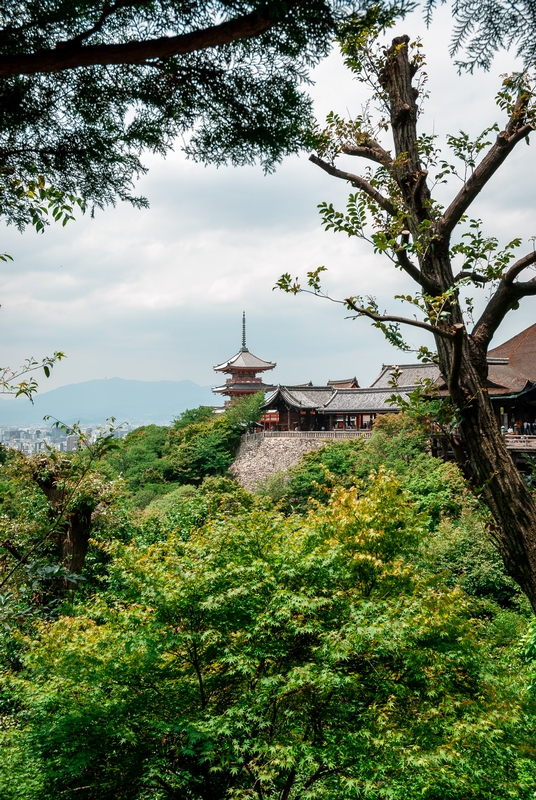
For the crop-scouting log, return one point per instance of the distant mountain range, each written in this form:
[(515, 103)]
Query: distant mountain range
[(92, 402)]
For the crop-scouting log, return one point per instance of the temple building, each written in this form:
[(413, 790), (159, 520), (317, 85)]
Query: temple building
[(242, 369), (343, 405)]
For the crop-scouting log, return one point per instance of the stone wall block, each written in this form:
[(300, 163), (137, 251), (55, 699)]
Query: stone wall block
[(260, 458)]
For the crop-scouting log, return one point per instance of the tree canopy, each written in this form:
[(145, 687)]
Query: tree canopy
[(85, 87), (483, 27), (228, 645)]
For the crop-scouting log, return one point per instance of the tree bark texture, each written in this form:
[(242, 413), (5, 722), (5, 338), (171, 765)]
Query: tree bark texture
[(462, 359), (73, 523), (461, 355)]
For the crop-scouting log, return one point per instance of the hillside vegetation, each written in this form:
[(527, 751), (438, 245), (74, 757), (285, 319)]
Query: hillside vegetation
[(348, 631)]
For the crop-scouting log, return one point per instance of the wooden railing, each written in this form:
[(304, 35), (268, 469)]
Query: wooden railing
[(522, 442), (322, 435)]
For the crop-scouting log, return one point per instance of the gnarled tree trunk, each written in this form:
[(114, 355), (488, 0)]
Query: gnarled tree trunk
[(461, 354), (462, 357)]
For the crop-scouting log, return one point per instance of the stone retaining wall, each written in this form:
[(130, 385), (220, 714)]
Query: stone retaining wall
[(259, 458)]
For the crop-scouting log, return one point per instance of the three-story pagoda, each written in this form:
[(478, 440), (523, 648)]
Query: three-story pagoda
[(242, 370)]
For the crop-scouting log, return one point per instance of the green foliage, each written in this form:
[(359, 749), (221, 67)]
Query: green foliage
[(33, 201), (462, 551), (203, 449), (139, 458), (10, 382), (85, 129), (188, 507), (193, 415), (297, 657), (481, 253), (485, 28), (153, 459), (398, 444)]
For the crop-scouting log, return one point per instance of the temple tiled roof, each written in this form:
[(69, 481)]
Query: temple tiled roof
[(357, 401), (244, 360), (411, 374), (346, 383), (301, 396), (520, 352), (504, 379)]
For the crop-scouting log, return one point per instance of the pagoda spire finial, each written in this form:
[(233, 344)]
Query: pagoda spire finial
[(244, 348)]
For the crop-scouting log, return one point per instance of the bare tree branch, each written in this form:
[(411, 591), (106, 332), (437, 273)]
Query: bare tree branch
[(498, 153), (517, 268), (70, 54), (505, 299), (454, 376), (525, 288), (415, 323), (358, 182), (474, 276), (372, 151), (414, 272)]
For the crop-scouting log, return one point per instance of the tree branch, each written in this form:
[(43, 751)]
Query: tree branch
[(525, 288), (365, 312), (14, 552), (505, 299), (474, 276), (498, 153), (454, 376), (358, 182), (517, 268), (373, 151), (70, 55), (414, 272), (288, 784)]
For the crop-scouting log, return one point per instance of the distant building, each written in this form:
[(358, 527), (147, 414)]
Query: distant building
[(242, 369)]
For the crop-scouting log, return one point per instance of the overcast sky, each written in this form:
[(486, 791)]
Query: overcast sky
[(158, 294)]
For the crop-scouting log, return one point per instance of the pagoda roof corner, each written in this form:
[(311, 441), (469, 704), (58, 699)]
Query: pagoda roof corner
[(245, 360)]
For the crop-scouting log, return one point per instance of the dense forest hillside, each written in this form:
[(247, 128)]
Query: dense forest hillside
[(346, 631)]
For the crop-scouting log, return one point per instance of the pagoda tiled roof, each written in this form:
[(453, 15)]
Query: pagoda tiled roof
[(245, 360), (242, 387)]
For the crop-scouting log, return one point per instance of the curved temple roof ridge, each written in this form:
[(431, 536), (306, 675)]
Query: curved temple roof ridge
[(512, 373)]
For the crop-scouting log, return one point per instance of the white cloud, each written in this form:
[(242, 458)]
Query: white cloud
[(158, 294)]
